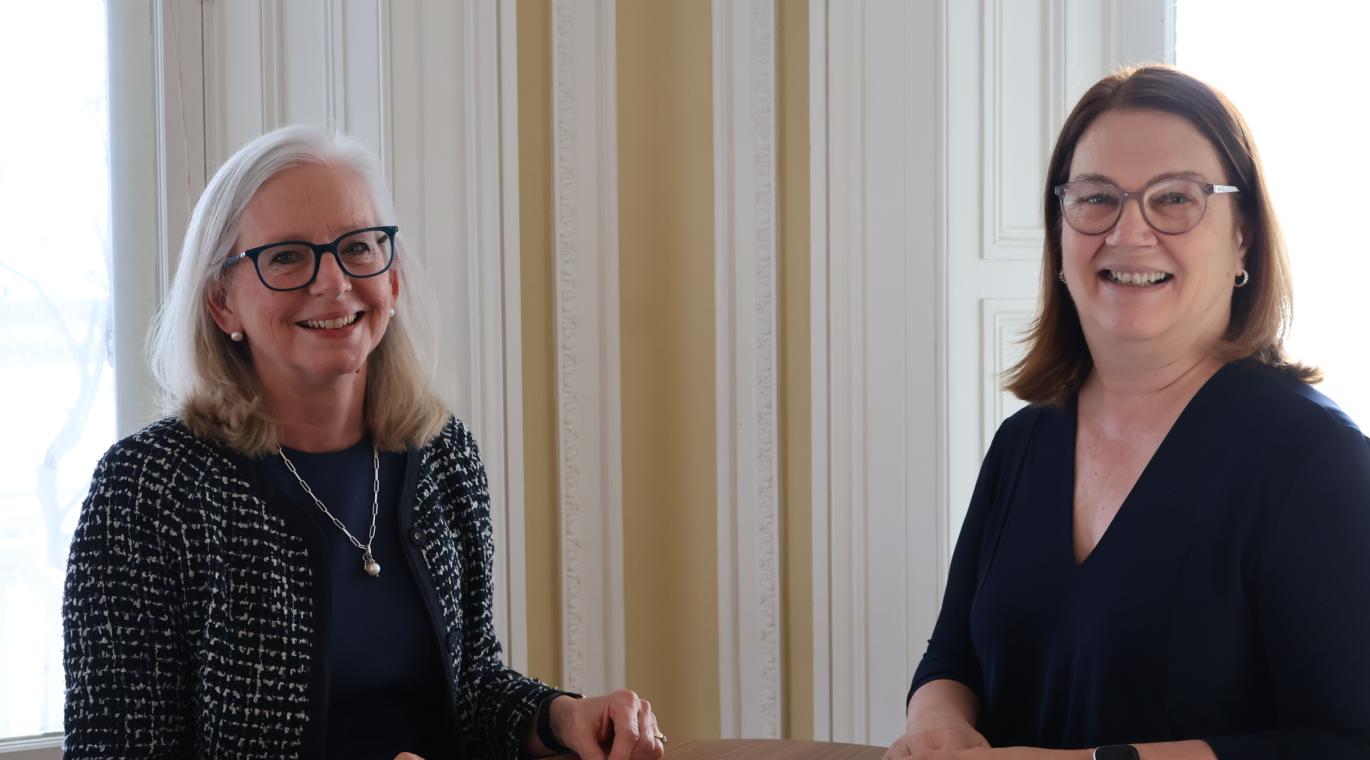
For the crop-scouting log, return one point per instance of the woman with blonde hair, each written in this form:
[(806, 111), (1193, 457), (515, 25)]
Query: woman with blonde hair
[(1164, 556), (297, 562)]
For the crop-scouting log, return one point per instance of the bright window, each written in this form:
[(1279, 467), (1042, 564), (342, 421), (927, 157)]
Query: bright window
[(1297, 74), (56, 376)]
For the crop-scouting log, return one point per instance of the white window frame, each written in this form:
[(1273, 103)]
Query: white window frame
[(156, 171)]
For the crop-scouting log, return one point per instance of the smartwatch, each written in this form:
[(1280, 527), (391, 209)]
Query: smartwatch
[(1117, 752)]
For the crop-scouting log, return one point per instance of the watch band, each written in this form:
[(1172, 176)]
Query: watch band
[(1117, 752), (545, 734)]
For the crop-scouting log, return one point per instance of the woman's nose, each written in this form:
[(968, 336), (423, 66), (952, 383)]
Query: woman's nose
[(1132, 228), (331, 279)]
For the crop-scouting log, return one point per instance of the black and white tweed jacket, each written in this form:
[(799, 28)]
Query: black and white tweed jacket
[(197, 604)]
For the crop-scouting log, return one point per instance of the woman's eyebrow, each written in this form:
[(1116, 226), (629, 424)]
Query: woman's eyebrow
[(1091, 177), (303, 238)]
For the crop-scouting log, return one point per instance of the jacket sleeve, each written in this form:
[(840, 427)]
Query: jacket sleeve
[(128, 687), (496, 701), (1308, 580)]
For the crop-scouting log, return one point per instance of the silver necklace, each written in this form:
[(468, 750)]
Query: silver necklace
[(369, 563)]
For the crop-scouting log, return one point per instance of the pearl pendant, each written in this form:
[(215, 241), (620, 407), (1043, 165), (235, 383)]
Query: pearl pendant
[(371, 566)]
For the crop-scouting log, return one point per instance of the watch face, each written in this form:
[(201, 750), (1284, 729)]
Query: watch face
[(1117, 752)]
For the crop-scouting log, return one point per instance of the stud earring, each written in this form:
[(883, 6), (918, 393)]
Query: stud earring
[(236, 336), (392, 311)]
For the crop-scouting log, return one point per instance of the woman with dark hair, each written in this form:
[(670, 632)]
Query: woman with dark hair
[(1163, 556)]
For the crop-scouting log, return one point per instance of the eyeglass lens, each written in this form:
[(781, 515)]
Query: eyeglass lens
[(291, 265), (1171, 206)]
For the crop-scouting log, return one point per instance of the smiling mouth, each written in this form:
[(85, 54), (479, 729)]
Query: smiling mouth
[(1136, 279), (330, 324)]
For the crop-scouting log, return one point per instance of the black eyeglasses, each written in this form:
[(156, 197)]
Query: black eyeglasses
[(293, 264), (1172, 205)]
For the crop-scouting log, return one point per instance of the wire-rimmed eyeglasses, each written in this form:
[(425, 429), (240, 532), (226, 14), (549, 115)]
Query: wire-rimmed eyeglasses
[(1170, 205), (294, 264)]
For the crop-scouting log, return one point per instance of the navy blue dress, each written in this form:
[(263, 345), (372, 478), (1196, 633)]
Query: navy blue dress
[(387, 689), (1229, 599)]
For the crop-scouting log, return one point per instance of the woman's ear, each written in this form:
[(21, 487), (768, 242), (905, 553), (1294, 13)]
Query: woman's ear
[(217, 299)]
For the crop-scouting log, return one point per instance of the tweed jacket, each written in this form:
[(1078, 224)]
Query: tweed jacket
[(197, 604)]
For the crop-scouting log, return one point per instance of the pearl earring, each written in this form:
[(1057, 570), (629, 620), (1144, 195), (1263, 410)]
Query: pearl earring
[(236, 336), (392, 311)]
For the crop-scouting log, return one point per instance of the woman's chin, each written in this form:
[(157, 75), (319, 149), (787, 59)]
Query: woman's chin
[(334, 369), (1124, 333)]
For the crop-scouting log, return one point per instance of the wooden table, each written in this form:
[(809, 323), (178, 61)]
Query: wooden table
[(765, 749)]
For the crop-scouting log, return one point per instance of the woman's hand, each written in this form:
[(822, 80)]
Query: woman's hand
[(620, 724), (924, 737)]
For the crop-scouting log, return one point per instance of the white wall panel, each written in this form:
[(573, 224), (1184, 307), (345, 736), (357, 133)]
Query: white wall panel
[(880, 258), (360, 33), (1022, 61), (1003, 326)]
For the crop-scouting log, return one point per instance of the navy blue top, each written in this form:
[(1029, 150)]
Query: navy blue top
[(386, 688), (1227, 601)]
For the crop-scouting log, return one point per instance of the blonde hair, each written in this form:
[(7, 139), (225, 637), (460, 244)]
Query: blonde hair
[(208, 381), (1057, 360)]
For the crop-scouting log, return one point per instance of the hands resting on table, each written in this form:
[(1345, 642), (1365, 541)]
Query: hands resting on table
[(948, 738), (617, 726), (965, 743)]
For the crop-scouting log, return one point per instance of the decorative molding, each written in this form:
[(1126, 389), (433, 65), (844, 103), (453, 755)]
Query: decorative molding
[(745, 299), (585, 211), (819, 392), (1003, 325)]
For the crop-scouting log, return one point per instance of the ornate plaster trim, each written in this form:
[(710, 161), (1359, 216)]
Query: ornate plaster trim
[(746, 297)]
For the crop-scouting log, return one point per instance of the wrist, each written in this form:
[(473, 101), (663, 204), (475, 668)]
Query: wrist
[(928, 720), (552, 720)]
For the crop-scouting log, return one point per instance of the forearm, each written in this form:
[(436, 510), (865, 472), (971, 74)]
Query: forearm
[(942, 701)]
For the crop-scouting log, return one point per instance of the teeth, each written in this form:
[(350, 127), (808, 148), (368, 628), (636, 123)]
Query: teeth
[(331, 324), (1136, 278)]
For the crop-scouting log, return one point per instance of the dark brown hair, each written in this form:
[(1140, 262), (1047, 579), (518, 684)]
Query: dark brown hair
[(1057, 360)]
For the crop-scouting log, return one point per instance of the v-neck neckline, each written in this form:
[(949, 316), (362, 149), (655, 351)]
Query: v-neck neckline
[(1143, 478)]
